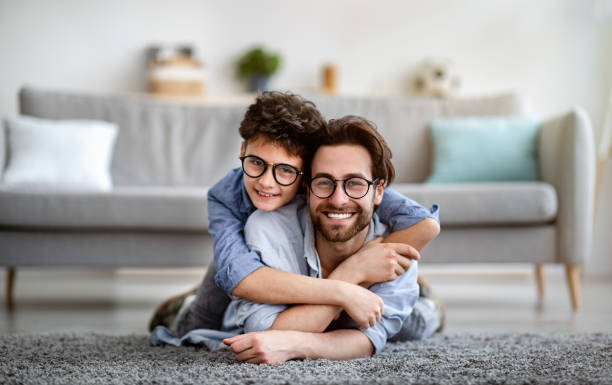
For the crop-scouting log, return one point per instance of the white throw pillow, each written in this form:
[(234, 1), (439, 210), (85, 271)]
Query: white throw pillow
[(62, 154)]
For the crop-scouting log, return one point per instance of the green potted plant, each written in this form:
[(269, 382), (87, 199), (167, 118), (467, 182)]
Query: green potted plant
[(257, 65)]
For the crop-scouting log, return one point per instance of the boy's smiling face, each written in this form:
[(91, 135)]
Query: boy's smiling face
[(265, 193)]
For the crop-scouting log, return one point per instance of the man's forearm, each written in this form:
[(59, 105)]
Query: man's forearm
[(275, 346), (342, 344)]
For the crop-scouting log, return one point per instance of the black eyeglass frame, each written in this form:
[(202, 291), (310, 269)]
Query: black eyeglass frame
[(335, 182), (274, 166)]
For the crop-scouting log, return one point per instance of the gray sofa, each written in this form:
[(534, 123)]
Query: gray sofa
[(167, 155)]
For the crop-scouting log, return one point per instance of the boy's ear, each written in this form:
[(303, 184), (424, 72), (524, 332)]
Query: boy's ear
[(243, 148)]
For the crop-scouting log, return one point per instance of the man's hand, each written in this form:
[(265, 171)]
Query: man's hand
[(376, 262), (267, 347)]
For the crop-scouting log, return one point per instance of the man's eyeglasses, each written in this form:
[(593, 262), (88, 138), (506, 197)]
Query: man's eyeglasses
[(355, 187), (284, 174)]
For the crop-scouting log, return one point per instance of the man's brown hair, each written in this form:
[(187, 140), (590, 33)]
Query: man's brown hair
[(285, 119), (357, 130)]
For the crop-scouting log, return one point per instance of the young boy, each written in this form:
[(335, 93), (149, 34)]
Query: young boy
[(277, 130)]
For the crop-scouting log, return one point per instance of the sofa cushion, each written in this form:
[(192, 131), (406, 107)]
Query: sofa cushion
[(476, 204), (134, 208), (67, 154), (484, 149)]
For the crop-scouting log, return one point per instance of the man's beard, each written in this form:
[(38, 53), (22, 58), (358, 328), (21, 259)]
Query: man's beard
[(340, 233)]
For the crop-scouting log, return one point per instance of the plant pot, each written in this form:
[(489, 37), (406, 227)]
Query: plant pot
[(259, 83)]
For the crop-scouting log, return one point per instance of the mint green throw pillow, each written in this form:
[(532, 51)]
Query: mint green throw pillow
[(484, 149)]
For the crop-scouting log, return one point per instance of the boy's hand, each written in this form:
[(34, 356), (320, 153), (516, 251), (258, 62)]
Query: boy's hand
[(362, 305), (377, 262)]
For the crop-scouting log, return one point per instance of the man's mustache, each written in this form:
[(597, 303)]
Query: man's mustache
[(329, 207)]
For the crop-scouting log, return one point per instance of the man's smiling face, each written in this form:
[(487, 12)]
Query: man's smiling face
[(340, 217)]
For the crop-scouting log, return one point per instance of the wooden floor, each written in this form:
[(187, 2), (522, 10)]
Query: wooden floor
[(477, 299)]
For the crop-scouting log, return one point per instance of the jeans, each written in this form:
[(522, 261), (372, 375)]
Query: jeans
[(206, 310)]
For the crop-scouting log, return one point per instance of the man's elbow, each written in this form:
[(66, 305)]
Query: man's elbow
[(432, 228)]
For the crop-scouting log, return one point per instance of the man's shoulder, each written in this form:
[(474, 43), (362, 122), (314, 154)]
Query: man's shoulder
[(377, 228)]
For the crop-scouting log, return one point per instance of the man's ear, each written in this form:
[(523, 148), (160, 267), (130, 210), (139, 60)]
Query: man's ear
[(243, 148), (380, 191)]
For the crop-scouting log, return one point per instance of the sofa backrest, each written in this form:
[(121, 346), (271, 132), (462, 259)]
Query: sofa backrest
[(167, 143)]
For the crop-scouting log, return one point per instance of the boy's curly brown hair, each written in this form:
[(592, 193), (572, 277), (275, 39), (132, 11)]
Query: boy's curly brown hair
[(285, 119)]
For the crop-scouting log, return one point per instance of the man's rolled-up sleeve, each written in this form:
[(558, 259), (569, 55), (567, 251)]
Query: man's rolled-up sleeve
[(399, 297), (261, 316)]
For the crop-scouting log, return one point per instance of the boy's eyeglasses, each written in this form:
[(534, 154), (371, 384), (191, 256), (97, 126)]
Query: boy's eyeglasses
[(284, 174), (356, 187)]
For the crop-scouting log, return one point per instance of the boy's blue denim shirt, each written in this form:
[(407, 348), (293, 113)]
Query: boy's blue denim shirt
[(229, 207)]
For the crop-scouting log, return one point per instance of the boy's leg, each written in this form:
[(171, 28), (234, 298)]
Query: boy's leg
[(206, 310), (165, 313)]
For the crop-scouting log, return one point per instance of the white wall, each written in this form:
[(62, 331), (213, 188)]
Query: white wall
[(555, 52)]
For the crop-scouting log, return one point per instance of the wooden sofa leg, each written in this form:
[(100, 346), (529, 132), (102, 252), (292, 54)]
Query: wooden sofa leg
[(573, 273), (539, 276), (10, 285)]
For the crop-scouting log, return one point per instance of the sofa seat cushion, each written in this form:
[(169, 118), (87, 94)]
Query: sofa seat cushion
[(476, 204), (133, 208)]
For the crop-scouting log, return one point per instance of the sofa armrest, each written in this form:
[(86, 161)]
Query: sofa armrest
[(567, 161)]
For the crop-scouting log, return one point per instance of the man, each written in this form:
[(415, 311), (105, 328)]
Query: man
[(319, 238)]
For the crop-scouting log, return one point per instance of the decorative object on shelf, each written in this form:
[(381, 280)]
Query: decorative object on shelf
[(174, 71), (436, 78), (330, 79), (256, 66)]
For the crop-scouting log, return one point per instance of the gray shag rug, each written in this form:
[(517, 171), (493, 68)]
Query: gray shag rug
[(462, 358)]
